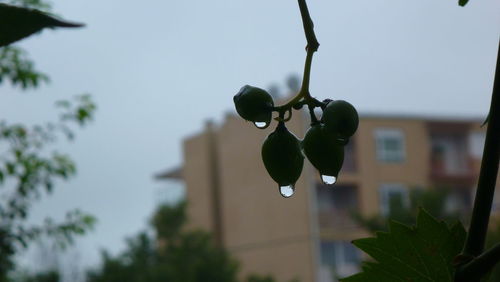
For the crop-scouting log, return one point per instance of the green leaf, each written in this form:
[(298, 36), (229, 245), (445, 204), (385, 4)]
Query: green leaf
[(16, 66), (11, 168), (412, 253), (34, 4), (462, 2), (17, 23)]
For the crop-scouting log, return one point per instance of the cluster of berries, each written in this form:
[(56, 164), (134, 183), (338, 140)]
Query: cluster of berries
[(283, 153)]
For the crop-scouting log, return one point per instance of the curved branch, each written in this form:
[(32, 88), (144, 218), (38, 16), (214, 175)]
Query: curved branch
[(481, 265)]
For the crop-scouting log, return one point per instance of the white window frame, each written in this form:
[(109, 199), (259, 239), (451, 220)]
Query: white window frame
[(384, 155), (388, 188)]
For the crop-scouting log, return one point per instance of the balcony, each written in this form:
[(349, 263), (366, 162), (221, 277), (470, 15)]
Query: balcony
[(335, 205), (450, 161)]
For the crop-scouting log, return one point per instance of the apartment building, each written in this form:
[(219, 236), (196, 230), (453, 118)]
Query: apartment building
[(308, 236)]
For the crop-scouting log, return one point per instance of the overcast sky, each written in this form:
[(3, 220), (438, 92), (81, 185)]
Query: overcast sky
[(158, 69)]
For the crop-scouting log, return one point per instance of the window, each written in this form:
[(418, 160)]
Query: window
[(343, 197), (340, 256), (458, 201), (335, 206), (393, 196), (448, 154), (339, 253), (476, 144), (390, 145)]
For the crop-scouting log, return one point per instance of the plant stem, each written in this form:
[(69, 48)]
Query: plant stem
[(307, 74), (312, 42), (481, 265), (487, 177), (312, 46)]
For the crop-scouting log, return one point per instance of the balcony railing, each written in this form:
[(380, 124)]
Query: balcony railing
[(336, 220), (457, 172), (450, 159)]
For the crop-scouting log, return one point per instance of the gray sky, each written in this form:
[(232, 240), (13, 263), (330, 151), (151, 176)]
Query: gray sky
[(158, 69)]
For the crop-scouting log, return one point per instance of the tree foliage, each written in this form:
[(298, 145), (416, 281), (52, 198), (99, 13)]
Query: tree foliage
[(29, 165), (29, 171), (18, 69), (44, 276), (432, 200), (174, 254)]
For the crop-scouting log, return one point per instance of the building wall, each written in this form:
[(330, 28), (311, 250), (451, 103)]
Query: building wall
[(267, 233), (196, 174), (413, 171), (272, 235)]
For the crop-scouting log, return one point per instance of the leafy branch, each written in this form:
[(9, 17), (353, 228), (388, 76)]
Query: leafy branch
[(28, 172), (16, 67), (32, 4)]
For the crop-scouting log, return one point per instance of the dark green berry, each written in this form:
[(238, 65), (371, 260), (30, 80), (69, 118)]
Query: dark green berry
[(255, 105), (340, 118), (324, 152), (282, 156)]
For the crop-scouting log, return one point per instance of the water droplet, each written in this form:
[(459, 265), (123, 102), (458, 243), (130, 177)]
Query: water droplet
[(261, 124), (328, 179), (287, 191)]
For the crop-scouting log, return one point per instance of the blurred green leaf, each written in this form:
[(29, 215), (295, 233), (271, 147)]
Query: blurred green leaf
[(34, 4), (16, 67), (10, 167), (17, 23), (81, 112), (63, 104), (418, 253), (462, 2)]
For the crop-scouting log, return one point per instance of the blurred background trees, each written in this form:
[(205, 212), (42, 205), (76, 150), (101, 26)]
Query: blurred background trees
[(30, 165), (170, 252), (404, 211), (173, 254)]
